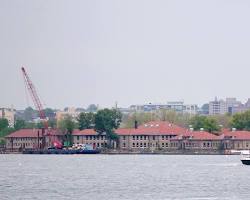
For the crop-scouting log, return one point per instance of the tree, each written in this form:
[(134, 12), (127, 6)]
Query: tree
[(86, 120), (3, 123), (106, 121), (50, 113), (6, 131), (30, 125), (141, 118), (241, 121), (30, 114), (67, 125), (52, 123), (39, 125), (211, 125), (2, 142), (19, 124), (92, 108), (207, 123), (223, 120), (205, 109)]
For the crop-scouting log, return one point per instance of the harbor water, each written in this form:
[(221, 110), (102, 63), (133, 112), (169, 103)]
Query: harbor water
[(132, 177)]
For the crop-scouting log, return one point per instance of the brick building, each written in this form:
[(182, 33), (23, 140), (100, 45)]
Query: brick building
[(152, 136)]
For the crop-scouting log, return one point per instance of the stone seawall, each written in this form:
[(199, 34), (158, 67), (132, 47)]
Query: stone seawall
[(174, 152)]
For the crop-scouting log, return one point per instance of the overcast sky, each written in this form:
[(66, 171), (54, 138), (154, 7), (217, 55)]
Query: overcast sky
[(129, 51)]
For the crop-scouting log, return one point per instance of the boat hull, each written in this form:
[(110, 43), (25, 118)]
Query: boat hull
[(61, 151), (245, 162)]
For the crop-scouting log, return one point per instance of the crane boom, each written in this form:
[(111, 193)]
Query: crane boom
[(35, 97), (39, 107)]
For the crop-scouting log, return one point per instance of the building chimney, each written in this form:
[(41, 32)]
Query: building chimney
[(136, 124)]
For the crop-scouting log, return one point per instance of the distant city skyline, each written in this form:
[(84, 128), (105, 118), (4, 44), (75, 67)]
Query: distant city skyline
[(130, 52)]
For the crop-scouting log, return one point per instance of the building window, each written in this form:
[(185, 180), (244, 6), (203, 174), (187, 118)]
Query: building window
[(140, 144), (137, 137), (133, 137), (162, 137), (145, 137), (137, 144), (145, 144), (166, 144), (133, 144), (153, 137), (162, 145), (78, 137), (141, 137), (124, 144), (124, 137)]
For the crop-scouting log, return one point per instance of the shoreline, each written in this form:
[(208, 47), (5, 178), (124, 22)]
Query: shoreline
[(117, 152)]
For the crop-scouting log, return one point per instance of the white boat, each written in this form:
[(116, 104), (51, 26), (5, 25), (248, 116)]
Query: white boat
[(245, 157)]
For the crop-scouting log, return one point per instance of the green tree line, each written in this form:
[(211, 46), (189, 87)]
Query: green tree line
[(103, 121)]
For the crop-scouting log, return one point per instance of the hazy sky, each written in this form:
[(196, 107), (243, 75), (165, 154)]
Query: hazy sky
[(129, 51)]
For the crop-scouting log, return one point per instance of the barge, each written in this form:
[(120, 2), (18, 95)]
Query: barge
[(79, 149), (61, 151)]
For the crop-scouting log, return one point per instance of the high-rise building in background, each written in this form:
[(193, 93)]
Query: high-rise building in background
[(230, 105), (9, 114), (217, 107), (67, 112), (177, 106)]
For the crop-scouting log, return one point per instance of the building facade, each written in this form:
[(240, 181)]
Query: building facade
[(217, 107), (149, 137), (9, 114)]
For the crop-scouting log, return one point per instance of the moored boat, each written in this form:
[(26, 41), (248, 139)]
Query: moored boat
[(76, 149), (245, 157), (61, 151)]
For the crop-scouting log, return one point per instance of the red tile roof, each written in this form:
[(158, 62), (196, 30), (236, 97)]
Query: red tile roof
[(25, 133), (32, 133), (84, 132), (198, 135), (240, 135), (153, 128)]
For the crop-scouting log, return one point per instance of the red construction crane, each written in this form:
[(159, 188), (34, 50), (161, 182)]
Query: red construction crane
[(38, 105), (35, 98)]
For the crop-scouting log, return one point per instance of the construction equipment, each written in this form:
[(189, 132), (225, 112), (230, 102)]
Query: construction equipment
[(39, 107)]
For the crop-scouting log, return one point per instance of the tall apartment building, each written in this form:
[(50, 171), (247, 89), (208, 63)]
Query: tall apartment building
[(9, 114), (220, 107), (241, 107), (217, 107), (191, 109), (68, 112), (177, 106)]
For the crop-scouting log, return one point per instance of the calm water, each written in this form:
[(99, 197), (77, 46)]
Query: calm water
[(114, 177)]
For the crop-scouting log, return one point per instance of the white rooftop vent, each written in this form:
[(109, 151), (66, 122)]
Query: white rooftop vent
[(145, 125), (233, 129), (191, 129), (152, 125), (201, 129), (157, 125)]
